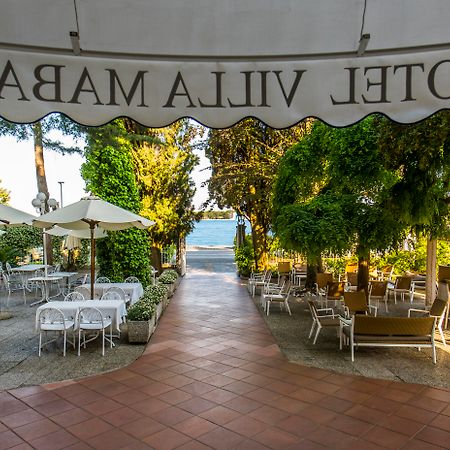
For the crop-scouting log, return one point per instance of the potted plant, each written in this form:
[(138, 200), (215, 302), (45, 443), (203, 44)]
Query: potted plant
[(156, 294), (169, 277), (141, 321)]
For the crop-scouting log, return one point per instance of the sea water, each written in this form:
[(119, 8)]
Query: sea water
[(213, 233)]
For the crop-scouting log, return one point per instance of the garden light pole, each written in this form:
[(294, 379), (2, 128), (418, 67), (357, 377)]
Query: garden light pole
[(40, 202), (61, 193)]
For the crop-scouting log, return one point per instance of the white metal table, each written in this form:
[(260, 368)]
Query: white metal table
[(133, 291), (45, 281), (109, 308)]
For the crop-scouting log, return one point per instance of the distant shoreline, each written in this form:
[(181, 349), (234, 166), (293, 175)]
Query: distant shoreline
[(194, 248)]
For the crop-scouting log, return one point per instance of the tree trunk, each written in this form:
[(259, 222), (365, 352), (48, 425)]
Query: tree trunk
[(41, 181), (363, 269), (311, 271), (181, 255), (259, 238), (430, 283), (156, 259)]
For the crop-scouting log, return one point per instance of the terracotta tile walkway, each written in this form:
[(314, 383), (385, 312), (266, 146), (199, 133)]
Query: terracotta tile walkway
[(213, 377)]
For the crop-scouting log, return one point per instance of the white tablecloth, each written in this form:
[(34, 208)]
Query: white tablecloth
[(29, 268), (112, 308), (134, 291)]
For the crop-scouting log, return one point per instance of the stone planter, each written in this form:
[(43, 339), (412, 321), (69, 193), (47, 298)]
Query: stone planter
[(170, 289), (165, 301), (159, 310), (140, 331)]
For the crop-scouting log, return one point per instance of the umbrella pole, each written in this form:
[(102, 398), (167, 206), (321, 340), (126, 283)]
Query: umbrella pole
[(44, 239), (92, 262)]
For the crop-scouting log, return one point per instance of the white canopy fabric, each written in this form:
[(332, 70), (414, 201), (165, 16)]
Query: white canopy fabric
[(80, 234), (13, 217), (220, 61), (90, 213)]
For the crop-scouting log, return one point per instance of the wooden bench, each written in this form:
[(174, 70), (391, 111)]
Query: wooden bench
[(367, 331)]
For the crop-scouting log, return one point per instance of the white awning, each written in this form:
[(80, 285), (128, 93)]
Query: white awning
[(220, 61)]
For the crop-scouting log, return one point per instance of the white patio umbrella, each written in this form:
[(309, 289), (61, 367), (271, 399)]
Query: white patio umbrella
[(73, 237), (91, 213), (13, 217), (80, 234), (220, 61)]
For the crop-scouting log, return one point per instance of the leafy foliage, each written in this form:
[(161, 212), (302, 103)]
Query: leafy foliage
[(17, 242), (331, 193), (244, 160), (109, 173), (142, 310), (244, 258), (4, 195), (156, 293), (420, 156), (169, 276), (51, 123), (163, 160)]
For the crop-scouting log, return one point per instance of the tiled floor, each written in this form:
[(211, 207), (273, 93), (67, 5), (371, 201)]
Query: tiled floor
[(213, 377)]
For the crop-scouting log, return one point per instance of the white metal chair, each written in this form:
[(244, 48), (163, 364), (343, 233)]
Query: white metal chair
[(91, 320), (403, 285), (322, 318), (78, 282), (281, 297), (378, 292), (8, 268), (132, 280), (271, 288), (437, 310), (74, 296), (53, 320), (111, 295), (119, 290), (102, 280), (14, 283), (259, 280), (84, 291), (355, 302)]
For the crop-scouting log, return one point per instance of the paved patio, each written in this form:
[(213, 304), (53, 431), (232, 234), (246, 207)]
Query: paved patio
[(213, 377)]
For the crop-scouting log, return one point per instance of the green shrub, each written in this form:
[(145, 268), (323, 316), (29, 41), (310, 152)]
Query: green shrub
[(244, 258), (142, 310), (155, 293), (168, 277)]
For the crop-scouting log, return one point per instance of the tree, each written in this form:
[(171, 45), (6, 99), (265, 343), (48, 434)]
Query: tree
[(39, 132), (244, 160), (164, 160), (109, 173), (420, 155), (331, 195), (4, 195), (146, 171)]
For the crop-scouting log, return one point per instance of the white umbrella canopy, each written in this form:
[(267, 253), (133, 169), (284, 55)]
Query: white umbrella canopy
[(73, 237), (220, 61), (99, 233), (13, 217), (88, 214)]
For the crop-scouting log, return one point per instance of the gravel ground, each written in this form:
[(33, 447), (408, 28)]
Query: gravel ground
[(20, 365), (401, 364), (19, 361)]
